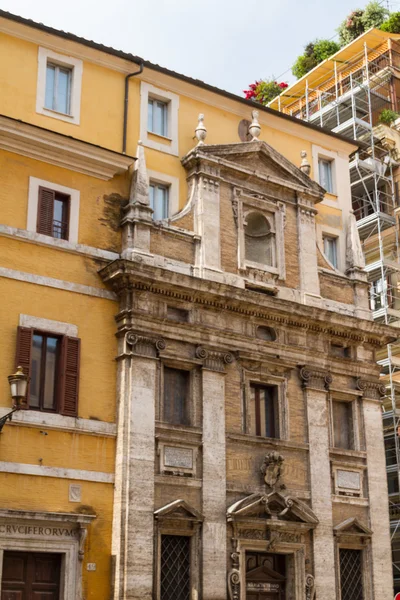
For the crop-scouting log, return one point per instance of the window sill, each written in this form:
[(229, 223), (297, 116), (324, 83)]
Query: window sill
[(159, 135), (345, 453), (163, 426), (247, 438), (350, 500), (57, 112)]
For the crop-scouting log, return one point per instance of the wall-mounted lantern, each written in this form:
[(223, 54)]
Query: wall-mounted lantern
[(18, 386)]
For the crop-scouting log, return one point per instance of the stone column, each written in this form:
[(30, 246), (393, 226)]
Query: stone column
[(307, 248), (315, 385), (214, 473), (133, 522), (377, 489)]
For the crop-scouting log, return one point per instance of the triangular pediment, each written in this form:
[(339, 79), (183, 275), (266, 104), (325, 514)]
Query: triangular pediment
[(352, 526), (179, 509), (260, 506), (259, 159), (263, 573)]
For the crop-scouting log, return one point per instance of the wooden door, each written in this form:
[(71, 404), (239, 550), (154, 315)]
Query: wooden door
[(265, 576), (31, 576)]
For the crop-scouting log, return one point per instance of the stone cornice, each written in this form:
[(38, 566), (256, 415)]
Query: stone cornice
[(61, 150), (125, 274)]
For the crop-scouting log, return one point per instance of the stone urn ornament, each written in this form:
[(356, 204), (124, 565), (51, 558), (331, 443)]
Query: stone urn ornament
[(255, 127), (305, 165), (201, 131)]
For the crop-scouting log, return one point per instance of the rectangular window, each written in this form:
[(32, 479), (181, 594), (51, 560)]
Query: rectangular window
[(175, 567), (264, 420), (393, 483), (351, 577), (53, 213), (159, 201), (330, 250), (157, 117), (58, 88), (44, 371), (325, 174), (52, 364), (342, 416), (176, 396)]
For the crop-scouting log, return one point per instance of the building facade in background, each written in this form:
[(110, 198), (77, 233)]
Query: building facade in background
[(187, 295)]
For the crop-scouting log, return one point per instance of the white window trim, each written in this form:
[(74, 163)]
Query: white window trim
[(33, 199), (172, 183), (323, 154), (44, 55), (147, 90), (48, 325)]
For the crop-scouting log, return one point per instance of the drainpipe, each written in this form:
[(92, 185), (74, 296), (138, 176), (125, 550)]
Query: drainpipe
[(125, 126)]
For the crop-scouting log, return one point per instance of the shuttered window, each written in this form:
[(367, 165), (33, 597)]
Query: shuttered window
[(52, 363), (342, 416), (176, 391), (53, 213)]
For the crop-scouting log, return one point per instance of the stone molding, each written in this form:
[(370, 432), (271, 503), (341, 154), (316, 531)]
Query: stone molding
[(142, 345), (310, 587), (371, 389), (234, 578), (314, 378), (214, 360)]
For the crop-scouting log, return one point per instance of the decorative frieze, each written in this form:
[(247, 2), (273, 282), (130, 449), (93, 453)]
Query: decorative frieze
[(371, 389), (141, 345), (213, 360), (314, 378)]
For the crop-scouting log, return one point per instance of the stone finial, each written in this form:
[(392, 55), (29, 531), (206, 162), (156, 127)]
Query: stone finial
[(201, 131), (305, 165), (354, 254), (255, 128), (139, 193)]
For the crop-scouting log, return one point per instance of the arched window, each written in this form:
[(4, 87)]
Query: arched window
[(259, 240)]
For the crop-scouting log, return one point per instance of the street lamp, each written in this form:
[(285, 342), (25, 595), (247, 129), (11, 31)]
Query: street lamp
[(18, 385)]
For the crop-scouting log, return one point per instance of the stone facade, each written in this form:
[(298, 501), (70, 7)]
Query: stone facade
[(194, 297)]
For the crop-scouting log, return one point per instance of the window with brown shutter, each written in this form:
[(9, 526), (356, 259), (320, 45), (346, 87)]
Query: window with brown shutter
[(264, 411), (342, 418), (176, 392), (52, 363), (53, 213)]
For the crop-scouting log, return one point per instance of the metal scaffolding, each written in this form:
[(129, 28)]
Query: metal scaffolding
[(348, 97)]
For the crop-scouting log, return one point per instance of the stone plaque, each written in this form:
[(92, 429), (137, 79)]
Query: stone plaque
[(260, 586), (350, 480), (178, 457)]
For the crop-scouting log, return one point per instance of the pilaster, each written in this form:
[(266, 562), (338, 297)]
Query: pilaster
[(207, 219), (133, 543), (307, 247), (214, 472), (316, 384), (377, 488)]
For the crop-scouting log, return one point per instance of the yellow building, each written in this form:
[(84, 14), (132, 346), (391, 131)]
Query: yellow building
[(71, 115)]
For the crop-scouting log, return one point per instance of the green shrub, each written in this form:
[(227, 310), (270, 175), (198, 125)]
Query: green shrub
[(392, 25), (360, 20), (314, 53), (387, 116)]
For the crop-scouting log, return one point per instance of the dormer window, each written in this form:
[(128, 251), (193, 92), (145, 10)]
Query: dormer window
[(259, 240)]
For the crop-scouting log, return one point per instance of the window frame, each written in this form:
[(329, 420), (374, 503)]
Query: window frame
[(55, 98), (156, 185), (357, 433), (33, 206), (66, 201), (192, 409), (274, 410), (153, 101), (75, 65), (331, 238), (323, 160), (282, 416), (42, 375), (269, 237), (167, 144)]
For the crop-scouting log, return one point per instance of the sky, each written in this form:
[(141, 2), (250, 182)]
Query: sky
[(226, 43)]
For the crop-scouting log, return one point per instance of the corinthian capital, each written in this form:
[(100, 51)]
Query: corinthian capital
[(212, 360)]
